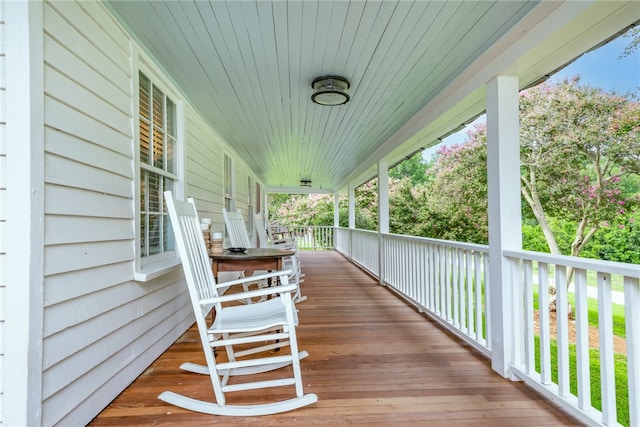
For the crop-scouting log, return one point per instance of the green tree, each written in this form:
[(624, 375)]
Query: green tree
[(414, 168), (457, 191), (576, 144)]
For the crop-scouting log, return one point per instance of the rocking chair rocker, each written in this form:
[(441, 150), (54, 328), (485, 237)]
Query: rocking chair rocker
[(269, 325)]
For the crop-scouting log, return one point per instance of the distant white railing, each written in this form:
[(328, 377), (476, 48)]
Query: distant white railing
[(532, 274), (312, 237)]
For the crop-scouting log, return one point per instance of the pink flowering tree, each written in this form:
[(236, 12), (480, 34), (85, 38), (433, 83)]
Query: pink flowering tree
[(457, 192), (577, 143)]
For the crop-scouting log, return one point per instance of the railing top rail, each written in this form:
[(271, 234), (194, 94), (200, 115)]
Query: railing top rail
[(458, 245), (628, 270)]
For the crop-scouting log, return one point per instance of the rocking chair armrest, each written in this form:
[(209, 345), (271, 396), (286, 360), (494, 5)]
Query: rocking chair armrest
[(251, 294), (251, 279)]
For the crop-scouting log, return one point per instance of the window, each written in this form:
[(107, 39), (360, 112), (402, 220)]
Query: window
[(250, 203), (158, 167), (258, 198), (229, 204)]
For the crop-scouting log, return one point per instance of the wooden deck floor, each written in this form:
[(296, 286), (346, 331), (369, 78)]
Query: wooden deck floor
[(373, 360)]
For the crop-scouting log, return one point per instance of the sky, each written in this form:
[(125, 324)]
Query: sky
[(601, 67)]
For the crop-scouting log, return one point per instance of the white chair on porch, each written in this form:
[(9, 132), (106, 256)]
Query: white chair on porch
[(236, 326), (293, 262), (239, 238)]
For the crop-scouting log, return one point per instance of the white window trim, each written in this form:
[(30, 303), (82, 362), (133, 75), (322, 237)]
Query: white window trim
[(155, 266), (232, 172)]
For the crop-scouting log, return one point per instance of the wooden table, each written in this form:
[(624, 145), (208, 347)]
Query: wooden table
[(254, 259)]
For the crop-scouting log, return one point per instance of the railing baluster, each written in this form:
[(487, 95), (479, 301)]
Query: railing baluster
[(544, 324), (632, 325), (529, 350), (605, 332), (562, 324), (582, 339), (477, 271)]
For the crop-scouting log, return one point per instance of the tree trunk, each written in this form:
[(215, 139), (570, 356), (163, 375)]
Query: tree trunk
[(530, 194)]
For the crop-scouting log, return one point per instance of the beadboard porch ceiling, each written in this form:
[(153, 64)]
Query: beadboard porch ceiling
[(247, 66)]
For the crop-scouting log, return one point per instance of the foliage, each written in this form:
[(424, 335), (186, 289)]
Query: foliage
[(366, 197), (619, 241), (576, 144), (305, 209), (414, 169), (457, 191), (634, 44)]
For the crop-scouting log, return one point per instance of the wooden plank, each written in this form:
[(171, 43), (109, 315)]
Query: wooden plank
[(373, 360)]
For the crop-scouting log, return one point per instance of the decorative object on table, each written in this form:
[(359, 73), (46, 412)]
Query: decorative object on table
[(205, 226), (237, 250), (216, 243)]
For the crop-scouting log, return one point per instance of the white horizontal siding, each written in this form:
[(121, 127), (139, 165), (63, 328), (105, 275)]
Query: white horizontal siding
[(75, 284), (204, 168), (101, 329), (61, 259), (94, 203), (94, 313)]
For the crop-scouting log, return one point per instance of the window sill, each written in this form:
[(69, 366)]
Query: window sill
[(156, 269)]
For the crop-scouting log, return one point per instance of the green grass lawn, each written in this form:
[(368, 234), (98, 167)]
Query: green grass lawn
[(620, 360), (620, 365)]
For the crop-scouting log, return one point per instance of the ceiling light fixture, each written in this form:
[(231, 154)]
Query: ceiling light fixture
[(330, 90), (305, 183)]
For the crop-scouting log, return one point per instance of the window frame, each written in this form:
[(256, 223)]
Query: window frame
[(156, 265), (250, 204), (228, 185)]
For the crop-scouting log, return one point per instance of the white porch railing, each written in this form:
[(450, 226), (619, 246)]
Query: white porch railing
[(532, 275), (448, 280), (313, 237)]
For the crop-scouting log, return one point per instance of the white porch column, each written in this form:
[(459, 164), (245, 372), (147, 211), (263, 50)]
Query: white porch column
[(383, 214), (23, 301), (383, 196), (336, 210), (505, 223), (352, 206)]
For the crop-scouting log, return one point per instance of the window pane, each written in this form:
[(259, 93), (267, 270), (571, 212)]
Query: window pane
[(143, 235), (143, 190), (155, 226), (145, 88), (145, 139), (167, 234), (158, 148), (153, 193), (158, 108), (170, 149), (171, 118)]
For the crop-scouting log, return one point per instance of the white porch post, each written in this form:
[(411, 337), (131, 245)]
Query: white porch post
[(383, 196), (383, 214), (336, 210), (22, 308), (503, 173), (352, 216), (352, 207)]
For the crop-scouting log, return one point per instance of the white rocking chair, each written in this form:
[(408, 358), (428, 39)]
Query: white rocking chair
[(293, 263), (239, 238), (269, 325)]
